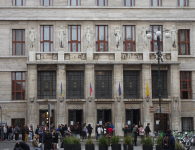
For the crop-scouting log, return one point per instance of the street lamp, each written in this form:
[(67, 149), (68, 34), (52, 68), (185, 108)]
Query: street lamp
[(159, 58), (1, 119)]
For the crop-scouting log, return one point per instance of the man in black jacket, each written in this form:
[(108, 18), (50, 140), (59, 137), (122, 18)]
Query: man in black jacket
[(147, 129), (171, 141), (22, 145)]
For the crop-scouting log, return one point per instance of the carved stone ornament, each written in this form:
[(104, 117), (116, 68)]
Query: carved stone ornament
[(90, 99), (133, 107), (61, 37), (147, 99), (118, 99), (96, 56), (82, 56), (61, 99), (117, 35), (104, 107), (32, 99), (88, 36), (32, 38), (75, 107), (174, 33), (176, 99)]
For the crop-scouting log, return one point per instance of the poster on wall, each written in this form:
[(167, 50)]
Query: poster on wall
[(71, 123), (129, 122), (100, 122)]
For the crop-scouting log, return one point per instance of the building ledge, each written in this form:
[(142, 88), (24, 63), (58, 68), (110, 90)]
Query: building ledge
[(75, 100), (14, 101), (186, 56), (46, 100), (133, 100), (8, 57), (163, 100), (187, 100), (104, 100)]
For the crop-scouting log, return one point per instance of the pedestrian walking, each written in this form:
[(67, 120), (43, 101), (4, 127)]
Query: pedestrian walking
[(23, 133), (55, 139), (31, 132), (26, 133), (96, 131), (141, 131), (135, 133), (89, 128), (16, 132), (147, 129), (126, 130), (99, 131), (168, 142), (48, 141), (84, 131)]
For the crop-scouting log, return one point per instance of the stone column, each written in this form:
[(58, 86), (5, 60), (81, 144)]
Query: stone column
[(32, 96), (175, 94), (90, 100), (119, 118), (61, 79), (147, 78)]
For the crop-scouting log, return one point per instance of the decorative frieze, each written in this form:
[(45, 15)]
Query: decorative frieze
[(132, 56)]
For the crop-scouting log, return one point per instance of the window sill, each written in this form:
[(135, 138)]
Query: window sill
[(13, 56), (46, 100), (104, 100), (14, 101), (187, 100), (185, 56)]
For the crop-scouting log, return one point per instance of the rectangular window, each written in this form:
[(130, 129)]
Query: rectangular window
[(103, 84), (187, 124), (74, 3), (155, 2), (182, 2), (184, 42), (74, 38), (101, 38), (185, 85), (18, 2), (129, 38), (18, 42), (163, 78), (46, 85), (153, 40), (46, 2), (75, 84), (18, 85), (46, 39), (128, 2), (101, 2), (131, 84)]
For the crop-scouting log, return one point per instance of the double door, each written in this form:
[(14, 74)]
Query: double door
[(133, 117), (104, 116)]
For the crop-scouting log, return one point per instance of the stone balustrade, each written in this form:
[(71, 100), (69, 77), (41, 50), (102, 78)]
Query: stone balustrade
[(131, 56)]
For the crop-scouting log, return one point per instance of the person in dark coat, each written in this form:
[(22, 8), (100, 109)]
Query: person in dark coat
[(172, 141), (126, 130), (147, 129), (22, 145), (135, 134), (23, 133), (89, 128), (96, 131), (55, 138), (48, 141)]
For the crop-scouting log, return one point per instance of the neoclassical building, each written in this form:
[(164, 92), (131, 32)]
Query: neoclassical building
[(92, 60)]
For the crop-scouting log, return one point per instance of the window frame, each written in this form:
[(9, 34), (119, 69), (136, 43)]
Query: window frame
[(104, 2), (50, 2), (16, 1), (49, 38), (131, 1), (187, 80), (74, 41), (102, 41), (15, 42), (159, 4), (178, 2), (152, 41), (130, 41), (14, 85), (78, 2), (186, 42), (191, 120)]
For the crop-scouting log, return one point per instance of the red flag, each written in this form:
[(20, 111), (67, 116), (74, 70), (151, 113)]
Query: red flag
[(90, 89)]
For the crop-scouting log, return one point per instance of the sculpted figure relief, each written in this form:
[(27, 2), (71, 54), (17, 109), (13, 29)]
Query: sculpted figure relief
[(61, 37), (88, 36), (143, 32), (32, 38), (174, 36), (118, 35)]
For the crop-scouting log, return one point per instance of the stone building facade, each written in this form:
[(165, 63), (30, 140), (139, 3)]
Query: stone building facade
[(47, 64)]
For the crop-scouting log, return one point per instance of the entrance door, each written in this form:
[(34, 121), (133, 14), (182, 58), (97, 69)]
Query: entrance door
[(19, 122), (104, 116), (133, 117), (165, 122), (44, 118)]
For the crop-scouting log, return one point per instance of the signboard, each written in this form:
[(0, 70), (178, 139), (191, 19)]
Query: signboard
[(71, 123), (100, 123), (157, 110), (129, 122)]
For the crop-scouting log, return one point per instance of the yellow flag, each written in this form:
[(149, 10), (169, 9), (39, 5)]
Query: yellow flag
[(147, 91)]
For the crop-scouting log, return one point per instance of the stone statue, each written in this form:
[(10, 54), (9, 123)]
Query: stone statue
[(32, 38), (88, 36), (118, 35), (61, 37), (143, 32), (174, 36)]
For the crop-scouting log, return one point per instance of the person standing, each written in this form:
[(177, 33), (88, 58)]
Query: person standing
[(112, 126), (141, 131), (135, 133), (84, 131), (168, 141), (26, 133), (23, 133), (147, 129), (9, 131), (126, 130), (89, 128), (45, 129), (5, 132), (99, 131), (12, 133), (96, 131), (17, 131), (77, 132), (48, 141), (31, 132), (110, 130), (55, 139)]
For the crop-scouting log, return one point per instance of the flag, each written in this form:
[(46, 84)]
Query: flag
[(90, 89), (147, 91), (61, 90), (119, 90)]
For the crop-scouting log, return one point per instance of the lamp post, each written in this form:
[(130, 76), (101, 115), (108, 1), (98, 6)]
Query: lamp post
[(1, 119), (159, 58)]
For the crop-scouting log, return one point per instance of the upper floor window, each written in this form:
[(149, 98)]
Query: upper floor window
[(101, 2), (74, 3), (46, 38), (18, 42), (185, 85), (101, 38), (182, 2), (18, 85), (129, 38), (184, 42), (46, 2), (74, 38), (153, 40), (155, 2), (18, 2), (128, 2)]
